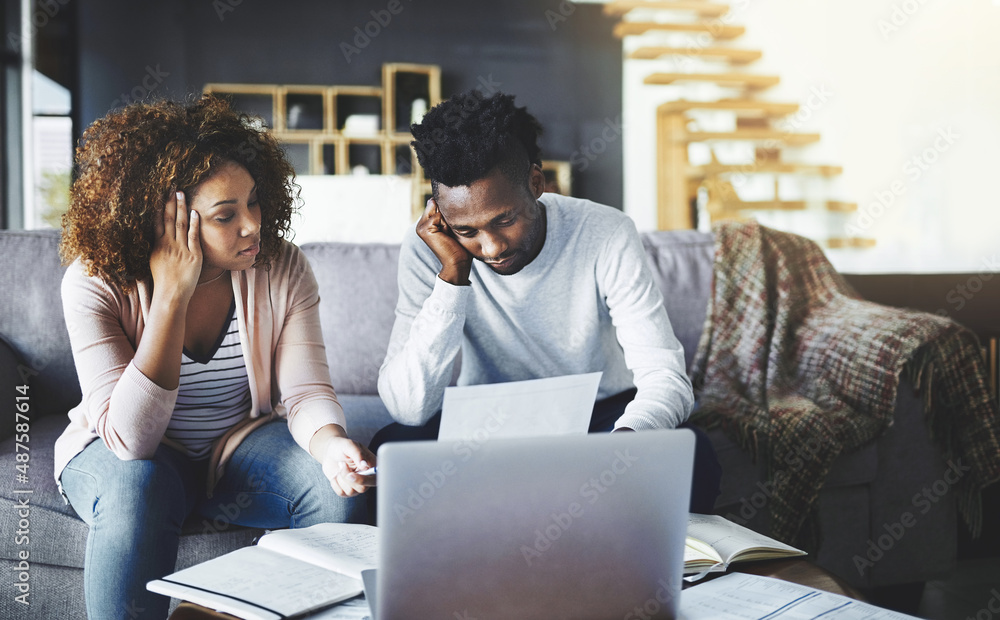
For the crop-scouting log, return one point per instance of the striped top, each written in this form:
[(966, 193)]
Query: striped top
[(214, 393)]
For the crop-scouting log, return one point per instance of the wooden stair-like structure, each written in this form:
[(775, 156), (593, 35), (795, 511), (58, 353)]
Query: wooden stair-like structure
[(742, 107), (745, 80), (624, 29), (699, 7), (731, 55), (679, 182)]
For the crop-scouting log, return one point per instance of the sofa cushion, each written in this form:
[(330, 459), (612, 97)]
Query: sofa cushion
[(357, 309), (31, 316), (681, 262)]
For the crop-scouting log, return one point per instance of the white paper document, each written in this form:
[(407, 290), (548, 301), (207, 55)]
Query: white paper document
[(346, 548), (753, 597), (552, 406)]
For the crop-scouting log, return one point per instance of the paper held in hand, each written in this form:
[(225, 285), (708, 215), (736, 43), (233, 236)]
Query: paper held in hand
[(713, 543), (288, 572), (550, 406)]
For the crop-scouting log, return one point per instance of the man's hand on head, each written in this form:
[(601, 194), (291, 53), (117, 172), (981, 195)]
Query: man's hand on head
[(456, 262)]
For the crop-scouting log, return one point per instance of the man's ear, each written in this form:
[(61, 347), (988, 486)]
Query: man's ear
[(536, 181)]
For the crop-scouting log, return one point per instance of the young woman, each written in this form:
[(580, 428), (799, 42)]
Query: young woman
[(196, 337)]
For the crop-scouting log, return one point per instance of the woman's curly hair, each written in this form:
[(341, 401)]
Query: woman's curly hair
[(129, 161), (463, 139)]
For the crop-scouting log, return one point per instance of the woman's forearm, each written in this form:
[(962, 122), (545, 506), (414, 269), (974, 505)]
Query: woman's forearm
[(159, 352)]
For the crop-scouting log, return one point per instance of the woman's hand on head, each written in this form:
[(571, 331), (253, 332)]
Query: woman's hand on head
[(342, 459), (175, 262)]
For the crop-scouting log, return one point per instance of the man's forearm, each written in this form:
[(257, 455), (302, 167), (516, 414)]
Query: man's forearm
[(421, 357)]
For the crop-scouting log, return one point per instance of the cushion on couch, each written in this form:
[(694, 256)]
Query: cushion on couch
[(31, 316), (681, 263), (357, 307)]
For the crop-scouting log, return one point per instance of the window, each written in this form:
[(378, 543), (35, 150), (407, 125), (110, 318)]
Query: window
[(36, 109), (53, 81)]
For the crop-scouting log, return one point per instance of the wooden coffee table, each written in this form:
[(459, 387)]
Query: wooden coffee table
[(793, 570)]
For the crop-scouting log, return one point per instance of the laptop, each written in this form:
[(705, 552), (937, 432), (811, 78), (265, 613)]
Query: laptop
[(589, 526)]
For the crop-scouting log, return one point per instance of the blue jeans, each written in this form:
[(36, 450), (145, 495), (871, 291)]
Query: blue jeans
[(135, 510)]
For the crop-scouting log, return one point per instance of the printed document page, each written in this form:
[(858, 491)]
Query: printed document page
[(347, 548), (752, 597), (353, 609), (552, 406)]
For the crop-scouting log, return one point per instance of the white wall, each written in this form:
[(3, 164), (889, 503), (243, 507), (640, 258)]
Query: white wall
[(901, 79), (353, 208)]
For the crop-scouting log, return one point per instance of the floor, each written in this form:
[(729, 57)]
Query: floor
[(972, 592)]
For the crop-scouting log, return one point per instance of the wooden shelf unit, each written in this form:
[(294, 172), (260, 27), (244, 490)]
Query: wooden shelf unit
[(425, 82), (313, 117)]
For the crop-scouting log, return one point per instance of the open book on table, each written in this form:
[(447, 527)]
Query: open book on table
[(288, 573), (713, 543)]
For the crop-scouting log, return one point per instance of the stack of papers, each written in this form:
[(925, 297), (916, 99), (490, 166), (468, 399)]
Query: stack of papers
[(753, 597)]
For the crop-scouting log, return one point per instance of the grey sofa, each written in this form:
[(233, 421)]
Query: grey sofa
[(863, 498)]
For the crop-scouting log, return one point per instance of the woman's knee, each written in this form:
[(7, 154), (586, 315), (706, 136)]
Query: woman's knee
[(323, 505), (107, 485)]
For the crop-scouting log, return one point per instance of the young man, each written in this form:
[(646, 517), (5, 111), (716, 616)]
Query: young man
[(526, 286)]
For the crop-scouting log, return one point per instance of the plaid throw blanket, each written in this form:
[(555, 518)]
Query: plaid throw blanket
[(792, 357)]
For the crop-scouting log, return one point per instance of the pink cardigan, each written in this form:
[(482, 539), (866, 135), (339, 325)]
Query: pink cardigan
[(278, 317)]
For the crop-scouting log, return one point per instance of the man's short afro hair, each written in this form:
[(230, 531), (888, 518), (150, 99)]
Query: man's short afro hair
[(465, 138)]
